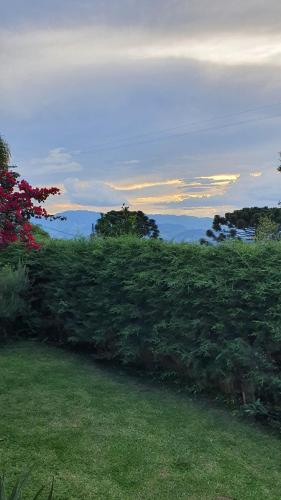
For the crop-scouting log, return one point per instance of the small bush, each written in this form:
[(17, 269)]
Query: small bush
[(13, 286)]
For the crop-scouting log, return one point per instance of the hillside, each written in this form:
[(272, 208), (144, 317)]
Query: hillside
[(172, 227)]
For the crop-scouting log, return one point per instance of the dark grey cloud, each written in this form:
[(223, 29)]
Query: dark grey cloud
[(169, 16)]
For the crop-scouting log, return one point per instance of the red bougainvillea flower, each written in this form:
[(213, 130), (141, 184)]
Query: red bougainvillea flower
[(17, 198)]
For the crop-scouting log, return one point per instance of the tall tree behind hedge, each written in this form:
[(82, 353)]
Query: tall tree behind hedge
[(247, 223), (267, 229), (126, 222), (243, 223)]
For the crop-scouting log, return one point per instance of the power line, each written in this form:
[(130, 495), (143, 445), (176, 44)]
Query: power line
[(185, 124), (59, 230), (182, 134)]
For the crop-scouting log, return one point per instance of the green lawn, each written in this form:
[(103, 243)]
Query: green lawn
[(108, 436)]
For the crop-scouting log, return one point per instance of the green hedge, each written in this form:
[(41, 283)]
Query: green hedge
[(209, 317)]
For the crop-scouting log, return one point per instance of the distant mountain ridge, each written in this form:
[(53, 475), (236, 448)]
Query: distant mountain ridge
[(172, 227)]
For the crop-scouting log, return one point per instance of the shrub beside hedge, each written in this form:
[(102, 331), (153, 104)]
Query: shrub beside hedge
[(208, 316), (13, 287)]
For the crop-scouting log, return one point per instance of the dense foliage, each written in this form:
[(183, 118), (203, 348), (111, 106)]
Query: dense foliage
[(207, 316), (243, 223), (126, 222)]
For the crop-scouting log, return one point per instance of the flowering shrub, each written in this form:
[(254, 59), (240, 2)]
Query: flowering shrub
[(17, 208)]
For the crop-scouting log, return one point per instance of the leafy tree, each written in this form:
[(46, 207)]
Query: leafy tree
[(267, 229), (125, 222), (243, 223), (17, 206), (4, 154)]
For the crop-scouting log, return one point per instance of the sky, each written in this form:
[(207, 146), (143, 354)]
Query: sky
[(169, 106)]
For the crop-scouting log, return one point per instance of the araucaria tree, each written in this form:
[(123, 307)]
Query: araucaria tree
[(126, 222), (251, 223), (243, 224), (17, 204)]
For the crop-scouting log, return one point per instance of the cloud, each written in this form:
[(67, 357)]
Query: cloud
[(129, 162), (36, 54), (57, 161), (255, 174), (160, 193), (92, 193), (203, 211), (259, 190), (247, 190), (45, 66), (142, 185), (213, 194), (221, 177), (177, 16), (187, 196), (176, 197), (225, 49), (155, 196)]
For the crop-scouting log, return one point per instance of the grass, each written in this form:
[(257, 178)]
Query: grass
[(107, 436)]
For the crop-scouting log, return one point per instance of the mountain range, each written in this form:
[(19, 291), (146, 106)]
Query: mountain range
[(172, 227)]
